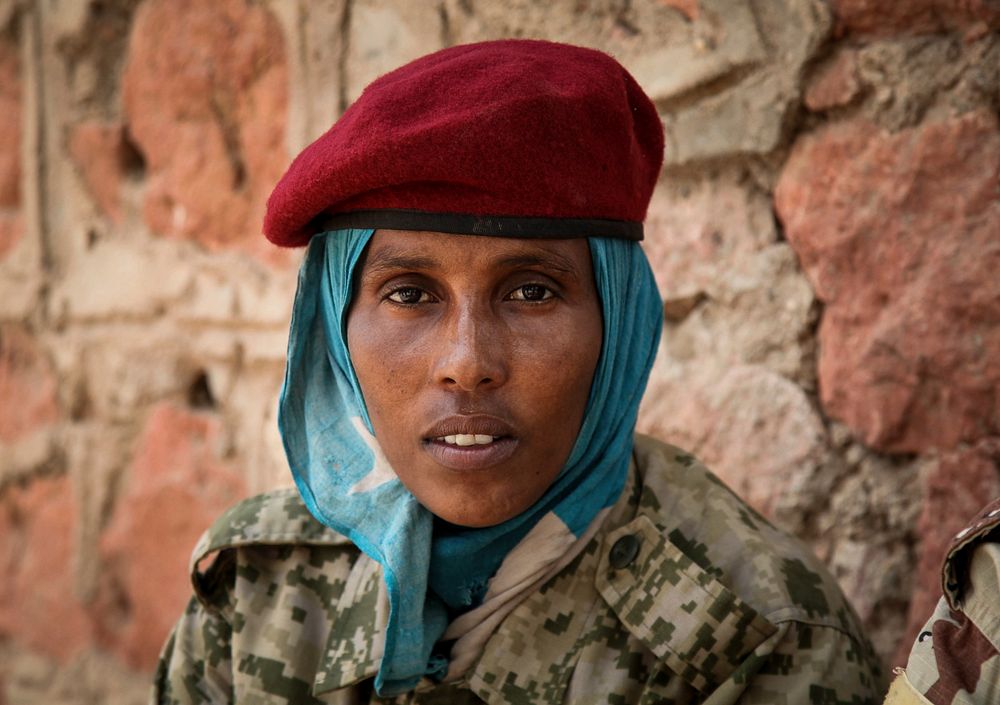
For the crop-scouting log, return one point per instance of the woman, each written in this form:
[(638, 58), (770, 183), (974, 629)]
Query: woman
[(475, 520)]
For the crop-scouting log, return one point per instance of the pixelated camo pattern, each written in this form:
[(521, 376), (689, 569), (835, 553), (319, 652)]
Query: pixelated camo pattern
[(715, 606)]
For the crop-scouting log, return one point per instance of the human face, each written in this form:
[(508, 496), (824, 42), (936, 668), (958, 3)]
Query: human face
[(494, 341)]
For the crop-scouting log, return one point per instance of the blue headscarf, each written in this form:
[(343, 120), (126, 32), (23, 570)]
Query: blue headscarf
[(348, 485)]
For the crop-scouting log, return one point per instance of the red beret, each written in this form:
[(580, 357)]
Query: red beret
[(518, 138)]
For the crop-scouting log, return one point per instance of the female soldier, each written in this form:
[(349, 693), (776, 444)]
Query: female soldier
[(475, 519)]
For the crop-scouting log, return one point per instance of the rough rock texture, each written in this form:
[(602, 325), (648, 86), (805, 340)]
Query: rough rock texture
[(861, 523), (754, 428), (11, 222), (916, 79), (689, 8), (698, 231), (737, 89), (316, 35), (835, 84), (383, 35), (737, 311), (20, 256), (205, 91), (89, 679), (914, 16), (100, 152), (37, 548), (178, 483), (28, 385), (836, 365), (905, 262), (126, 289), (733, 294)]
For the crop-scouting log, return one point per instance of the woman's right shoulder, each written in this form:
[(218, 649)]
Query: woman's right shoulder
[(272, 532), (275, 591)]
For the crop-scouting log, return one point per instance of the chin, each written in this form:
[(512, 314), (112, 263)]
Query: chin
[(471, 520), (473, 514)]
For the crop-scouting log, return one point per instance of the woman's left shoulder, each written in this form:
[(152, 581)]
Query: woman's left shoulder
[(720, 597), (767, 568)]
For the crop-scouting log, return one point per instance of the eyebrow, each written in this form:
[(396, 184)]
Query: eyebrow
[(390, 259), (550, 260)]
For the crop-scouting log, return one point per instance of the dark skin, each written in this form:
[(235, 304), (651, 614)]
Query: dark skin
[(475, 357)]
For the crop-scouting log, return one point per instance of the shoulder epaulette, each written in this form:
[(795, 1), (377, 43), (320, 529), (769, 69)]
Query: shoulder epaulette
[(768, 569), (274, 518)]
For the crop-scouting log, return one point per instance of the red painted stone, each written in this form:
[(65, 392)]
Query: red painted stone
[(879, 18), (898, 235), (755, 429), (205, 96), (699, 235), (98, 149), (11, 231), (10, 135), (177, 485), (38, 606), (11, 224), (689, 8), (958, 485), (835, 84), (28, 385)]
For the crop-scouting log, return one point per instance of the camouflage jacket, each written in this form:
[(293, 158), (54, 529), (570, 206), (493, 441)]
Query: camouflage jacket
[(955, 660), (684, 596)]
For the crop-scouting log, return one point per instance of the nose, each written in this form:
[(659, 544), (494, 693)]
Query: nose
[(471, 351)]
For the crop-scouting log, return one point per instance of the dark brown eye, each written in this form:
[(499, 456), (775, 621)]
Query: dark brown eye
[(531, 292), (408, 295)]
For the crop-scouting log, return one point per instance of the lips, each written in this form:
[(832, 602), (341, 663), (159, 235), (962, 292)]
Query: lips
[(469, 425), (472, 442)]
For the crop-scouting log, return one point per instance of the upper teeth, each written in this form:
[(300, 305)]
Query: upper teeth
[(467, 439)]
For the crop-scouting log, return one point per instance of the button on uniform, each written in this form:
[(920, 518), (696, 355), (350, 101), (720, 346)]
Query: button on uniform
[(624, 551)]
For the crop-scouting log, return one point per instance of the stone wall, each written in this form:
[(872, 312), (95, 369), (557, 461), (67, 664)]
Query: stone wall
[(826, 235)]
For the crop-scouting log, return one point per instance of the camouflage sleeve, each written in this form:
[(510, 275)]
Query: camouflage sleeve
[(195, 665), (804, 664)]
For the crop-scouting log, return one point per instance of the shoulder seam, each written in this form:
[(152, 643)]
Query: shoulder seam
[(268, 528), (809, 621)]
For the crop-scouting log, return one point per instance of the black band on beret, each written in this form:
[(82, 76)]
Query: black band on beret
[(470, 224)]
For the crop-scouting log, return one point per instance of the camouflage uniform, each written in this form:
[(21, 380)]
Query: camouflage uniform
[(955, 660), (684, 596)]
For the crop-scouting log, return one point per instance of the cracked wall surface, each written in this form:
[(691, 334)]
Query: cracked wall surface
[(824, 234)]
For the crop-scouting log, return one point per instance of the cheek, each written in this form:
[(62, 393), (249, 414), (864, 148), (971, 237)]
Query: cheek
[(557, 365), (386, 360)]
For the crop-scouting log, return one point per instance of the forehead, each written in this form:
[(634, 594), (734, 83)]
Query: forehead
[(392, 249)]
